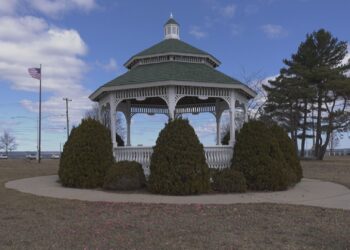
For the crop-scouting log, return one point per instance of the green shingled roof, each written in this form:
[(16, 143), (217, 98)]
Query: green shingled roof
[(171, 21), (172, 45), (176, 71)]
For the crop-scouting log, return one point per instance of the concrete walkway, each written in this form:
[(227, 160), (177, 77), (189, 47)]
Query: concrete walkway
[(308, 192)]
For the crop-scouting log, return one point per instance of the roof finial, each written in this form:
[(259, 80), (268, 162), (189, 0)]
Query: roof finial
[(171, 15)]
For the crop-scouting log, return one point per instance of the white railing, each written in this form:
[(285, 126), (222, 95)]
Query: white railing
[(334, 152), (139, 154), (217, 156), (338, 152)]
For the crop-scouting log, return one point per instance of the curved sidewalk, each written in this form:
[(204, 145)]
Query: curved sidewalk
[(308, 192)]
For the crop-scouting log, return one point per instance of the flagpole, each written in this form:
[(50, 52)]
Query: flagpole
[(39, 146)]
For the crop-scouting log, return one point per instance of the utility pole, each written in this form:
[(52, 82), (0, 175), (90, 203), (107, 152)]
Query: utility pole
[(39, 143), (67, 100)]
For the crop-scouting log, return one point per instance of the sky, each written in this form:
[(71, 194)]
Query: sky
[(83, 44)]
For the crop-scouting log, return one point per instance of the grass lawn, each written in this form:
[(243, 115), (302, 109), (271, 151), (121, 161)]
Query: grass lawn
[(335, 169), (32, 222)]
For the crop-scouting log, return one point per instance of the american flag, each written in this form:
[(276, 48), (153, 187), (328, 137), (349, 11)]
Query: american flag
[(35, 73)]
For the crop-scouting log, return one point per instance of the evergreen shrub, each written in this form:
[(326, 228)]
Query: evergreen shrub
[(258, 156), (178, 164), (125, 175), (86, 156), (228, 181), (289, 152)]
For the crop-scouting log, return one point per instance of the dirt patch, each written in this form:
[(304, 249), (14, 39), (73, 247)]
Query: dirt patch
[(31, 222)]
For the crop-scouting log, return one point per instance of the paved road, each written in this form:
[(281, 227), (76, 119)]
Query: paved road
[(307, 192)]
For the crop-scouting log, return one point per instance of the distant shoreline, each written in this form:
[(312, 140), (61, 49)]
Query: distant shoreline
[(22, 154)]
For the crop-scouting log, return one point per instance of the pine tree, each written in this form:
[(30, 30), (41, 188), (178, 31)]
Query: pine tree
[(313, 79), (283, 104), (328, 77)]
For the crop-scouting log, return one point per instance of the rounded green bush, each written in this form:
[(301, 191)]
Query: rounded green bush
[(125, 175), (228, 181), (289, 152), (258, 156), (178, 164), (86, 156)]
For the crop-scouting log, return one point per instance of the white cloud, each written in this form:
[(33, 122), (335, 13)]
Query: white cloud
[(236, 29), (85, 4), (29, 41), (206, 129), (274, 31), (51, 8), (17, 29), (111, 65), (209, 22), (56, 7), (347, 57), (347, 60), (6, 124), (197, 32), (222, 15), (56, 107), (8, 6), (251, 9), (228, 11)]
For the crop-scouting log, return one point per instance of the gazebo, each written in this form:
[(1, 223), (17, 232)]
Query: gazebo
[(172, 78)]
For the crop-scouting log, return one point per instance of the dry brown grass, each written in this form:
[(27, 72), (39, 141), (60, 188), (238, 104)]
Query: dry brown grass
[(335, 169), (32, 222)]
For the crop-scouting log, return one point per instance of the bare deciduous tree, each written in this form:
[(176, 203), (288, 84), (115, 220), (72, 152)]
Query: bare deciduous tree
[(255, 81), (255, 106), (334, 141), (93, 113), (7, 142)]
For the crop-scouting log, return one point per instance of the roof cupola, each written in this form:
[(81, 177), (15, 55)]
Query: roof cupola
[(171, 29)]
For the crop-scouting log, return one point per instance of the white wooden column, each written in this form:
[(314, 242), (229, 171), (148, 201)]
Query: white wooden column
[(218, 131), (245, 111), (100, 106), (128, 122), (218, 113), (171, 101), (112, 113), (232, 111)]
